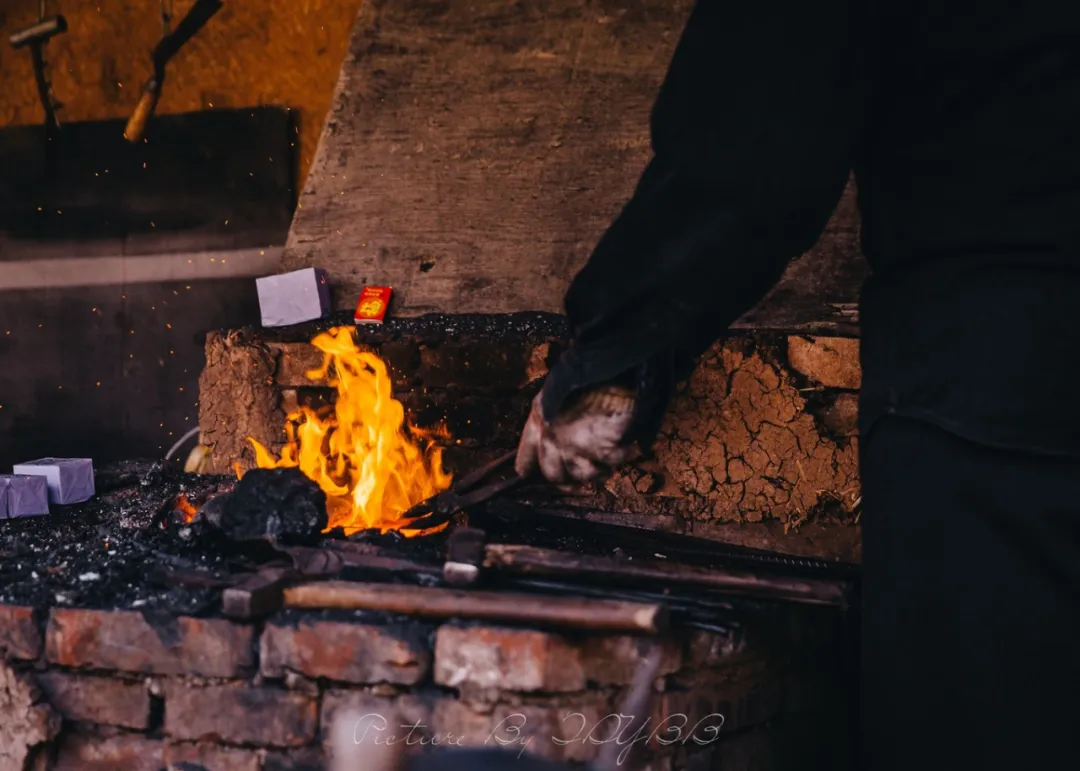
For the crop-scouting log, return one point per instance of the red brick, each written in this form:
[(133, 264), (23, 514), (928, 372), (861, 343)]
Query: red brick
[(484, 658), (549, 731), (303, 759), (382, 715), (350, 653), (213, 757), (20, 637), (124, 752), (237, 714), (124, 640), (92, 699), (615, 659)]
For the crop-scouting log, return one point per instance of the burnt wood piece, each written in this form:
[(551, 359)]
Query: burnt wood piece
[(510, 607), (257, 596), (475, 152), (213, 180), (531, 561)]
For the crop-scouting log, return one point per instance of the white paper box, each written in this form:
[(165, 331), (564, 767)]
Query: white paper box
[(70, 480), (293, 298), (23, 496)]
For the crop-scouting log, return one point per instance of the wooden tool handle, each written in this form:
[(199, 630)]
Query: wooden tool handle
[(137, 122), (577, 613)]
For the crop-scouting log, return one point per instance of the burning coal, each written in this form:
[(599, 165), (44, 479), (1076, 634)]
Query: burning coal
[(372, 465)]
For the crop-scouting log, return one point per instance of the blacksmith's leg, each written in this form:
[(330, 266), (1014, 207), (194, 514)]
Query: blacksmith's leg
[(971, 560)]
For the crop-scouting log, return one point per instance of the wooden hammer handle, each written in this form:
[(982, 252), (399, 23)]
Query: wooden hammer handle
[(136, 124), (507, 607)]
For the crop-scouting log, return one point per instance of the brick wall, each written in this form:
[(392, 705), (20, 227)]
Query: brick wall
[(93, 690)]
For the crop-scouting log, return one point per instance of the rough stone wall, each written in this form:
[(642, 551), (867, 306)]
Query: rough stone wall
[(759, 445), (138, 693)]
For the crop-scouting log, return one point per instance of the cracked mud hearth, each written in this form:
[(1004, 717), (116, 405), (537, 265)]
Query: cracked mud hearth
[(740, 444), (759, 446)]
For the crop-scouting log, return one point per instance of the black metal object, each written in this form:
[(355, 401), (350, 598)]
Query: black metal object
[(35, 37), (561, 529), (196, 18), (440, 509)]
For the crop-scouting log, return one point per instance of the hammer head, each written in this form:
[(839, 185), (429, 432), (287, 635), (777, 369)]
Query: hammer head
[(39, 33)]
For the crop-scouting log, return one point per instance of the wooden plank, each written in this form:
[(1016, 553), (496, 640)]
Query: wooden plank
[(204, 181), (475, 151)]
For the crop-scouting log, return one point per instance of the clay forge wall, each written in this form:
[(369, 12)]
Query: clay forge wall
[(759, 446)]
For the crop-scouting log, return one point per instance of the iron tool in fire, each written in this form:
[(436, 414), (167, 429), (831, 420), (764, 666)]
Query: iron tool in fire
[(34, 38), (171, 42), (468, 491)]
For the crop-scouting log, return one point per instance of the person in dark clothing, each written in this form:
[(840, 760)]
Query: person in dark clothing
[(961, 124)]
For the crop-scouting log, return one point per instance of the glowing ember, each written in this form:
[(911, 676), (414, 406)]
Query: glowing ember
[(369, 462), (185, 507)]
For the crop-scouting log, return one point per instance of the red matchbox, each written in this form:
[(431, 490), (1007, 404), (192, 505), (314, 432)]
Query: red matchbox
[(371, 309)]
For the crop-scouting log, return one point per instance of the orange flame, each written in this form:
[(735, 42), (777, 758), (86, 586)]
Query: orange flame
[(371, 464), (185, 507)]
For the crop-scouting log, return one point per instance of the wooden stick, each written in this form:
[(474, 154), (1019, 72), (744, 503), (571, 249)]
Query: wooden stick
[(530, 561), (579, 613)]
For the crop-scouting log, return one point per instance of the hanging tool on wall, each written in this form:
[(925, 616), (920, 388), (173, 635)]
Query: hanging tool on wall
[(35, 37), (172, 40)]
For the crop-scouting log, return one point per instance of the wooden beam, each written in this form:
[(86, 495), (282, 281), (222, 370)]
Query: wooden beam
[(476, 150)]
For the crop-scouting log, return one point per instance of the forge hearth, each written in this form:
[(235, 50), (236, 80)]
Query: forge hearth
[(758, 448), (119, 654)]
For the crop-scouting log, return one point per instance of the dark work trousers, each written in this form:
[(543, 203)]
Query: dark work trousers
[(971, 604)]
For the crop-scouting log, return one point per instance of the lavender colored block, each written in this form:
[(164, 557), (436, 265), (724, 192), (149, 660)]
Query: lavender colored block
[(293, 298), (23, 496), (70, 480)]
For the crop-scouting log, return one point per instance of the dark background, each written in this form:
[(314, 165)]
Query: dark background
[(207, 181)]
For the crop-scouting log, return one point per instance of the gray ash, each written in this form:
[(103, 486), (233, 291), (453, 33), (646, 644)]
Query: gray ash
[(129, 547), (114, 550)]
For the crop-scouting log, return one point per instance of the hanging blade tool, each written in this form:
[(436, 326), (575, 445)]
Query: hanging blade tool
[(170, 43), (35, 37)]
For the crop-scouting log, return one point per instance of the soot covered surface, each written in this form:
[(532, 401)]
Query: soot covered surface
[(433, 327), (126, 547)]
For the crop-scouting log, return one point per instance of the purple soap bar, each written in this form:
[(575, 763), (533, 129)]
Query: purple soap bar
[(293, 298), (23, 496), (70, 480)]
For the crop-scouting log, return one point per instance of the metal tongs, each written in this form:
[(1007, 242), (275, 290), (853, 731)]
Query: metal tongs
[(441, 508)]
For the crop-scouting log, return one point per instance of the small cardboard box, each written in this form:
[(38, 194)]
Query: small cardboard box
[(70, 480), (23, 496), (293, 298), (372, 306)]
